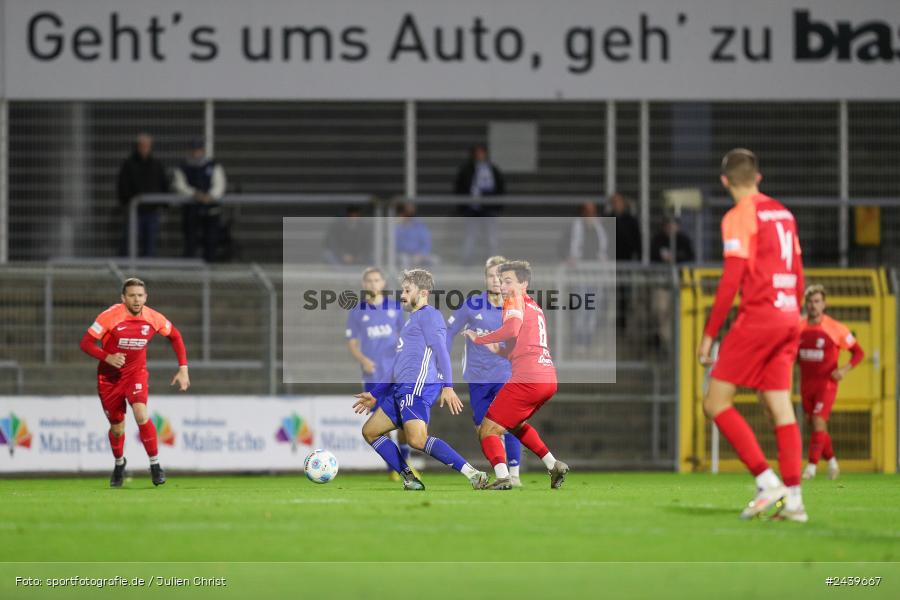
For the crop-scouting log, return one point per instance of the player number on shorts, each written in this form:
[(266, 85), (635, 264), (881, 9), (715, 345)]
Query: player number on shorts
[(786, 241), (542, 331)]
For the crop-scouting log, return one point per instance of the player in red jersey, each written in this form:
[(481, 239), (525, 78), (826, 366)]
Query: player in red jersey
[(124, 331), (531, 384), (821, 341), (762, 260)]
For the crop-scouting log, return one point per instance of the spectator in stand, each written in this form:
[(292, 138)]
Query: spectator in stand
[(669, 246), (479, 178), (413, 239), (628, 249), (348, 240), (628, 230), (141, 173), (587, 242), (202, 179)]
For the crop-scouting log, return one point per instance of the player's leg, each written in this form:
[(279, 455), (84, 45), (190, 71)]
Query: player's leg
[(718, 404), (481, 396), (515, 404), (510, 442), (816, 439), (417, 434), (790, 451), (147, 433), (821, 415), (374, 432), (113, 402)]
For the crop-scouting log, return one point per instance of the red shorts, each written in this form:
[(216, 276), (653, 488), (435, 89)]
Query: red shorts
[(515, 403), (114, 393), (757, 357), (820, 401)]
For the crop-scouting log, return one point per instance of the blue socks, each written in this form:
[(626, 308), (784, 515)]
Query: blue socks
[(388, 450), (513, 450), (441, 450)]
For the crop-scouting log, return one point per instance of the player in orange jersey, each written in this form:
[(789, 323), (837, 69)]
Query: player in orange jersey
[(762, 260), (821, 341), (124, 331), (532, 382)]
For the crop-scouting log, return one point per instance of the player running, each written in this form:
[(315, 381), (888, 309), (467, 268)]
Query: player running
[(124, 330), (531, 383), (484, 370), (821, 341), (372, 330), (421, 374), (762, 260)]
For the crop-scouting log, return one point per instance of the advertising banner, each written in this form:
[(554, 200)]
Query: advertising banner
[(197, 433)]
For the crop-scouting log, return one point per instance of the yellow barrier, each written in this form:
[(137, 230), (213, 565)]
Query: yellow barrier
[(863, 424)]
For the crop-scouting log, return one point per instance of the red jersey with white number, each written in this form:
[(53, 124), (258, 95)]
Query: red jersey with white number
[(524, 331), (762, 231), (820, 345), (120, 331)]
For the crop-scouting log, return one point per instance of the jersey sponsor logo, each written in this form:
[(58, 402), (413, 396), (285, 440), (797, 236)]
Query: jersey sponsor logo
[(785, 302), (379, 331), (784, 280), (132, 343), (97, 327), (812, 354), (775, 215)]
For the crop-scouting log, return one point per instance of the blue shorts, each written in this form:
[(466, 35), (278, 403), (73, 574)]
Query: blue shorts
[(480, 397), (401, 405)]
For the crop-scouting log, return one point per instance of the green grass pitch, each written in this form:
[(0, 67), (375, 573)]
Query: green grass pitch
[(644, 535)]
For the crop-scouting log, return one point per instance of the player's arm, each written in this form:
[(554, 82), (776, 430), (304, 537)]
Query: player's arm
[(513, 315), (457, 322), (181, 377), (89, 344), (847, 341), (436, 338)]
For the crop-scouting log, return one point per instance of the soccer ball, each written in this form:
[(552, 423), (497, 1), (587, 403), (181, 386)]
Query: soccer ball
[(320, 466)]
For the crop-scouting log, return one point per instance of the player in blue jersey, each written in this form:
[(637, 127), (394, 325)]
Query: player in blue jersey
[(420, 375), (372, 330), (484, 370)]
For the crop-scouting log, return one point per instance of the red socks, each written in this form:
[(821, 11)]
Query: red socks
[(148, 437), (816, 446), (529, 437), (790, 453), (827, 450), (493, 449), (117, 444), (738, 433)]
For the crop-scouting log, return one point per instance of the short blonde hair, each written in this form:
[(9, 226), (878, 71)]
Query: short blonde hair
[(493, 262), (812, 291)]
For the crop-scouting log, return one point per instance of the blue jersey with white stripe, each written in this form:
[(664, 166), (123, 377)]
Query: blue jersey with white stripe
[(376, 327), (480, 365), (421, 356)]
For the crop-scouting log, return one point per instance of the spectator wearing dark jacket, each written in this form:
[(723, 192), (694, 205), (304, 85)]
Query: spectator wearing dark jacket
[(670, 244), (141, 173), (202, 179), (628, 230), (479, 178)]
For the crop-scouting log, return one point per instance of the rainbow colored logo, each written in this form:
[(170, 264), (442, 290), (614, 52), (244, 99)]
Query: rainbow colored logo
[(164, 431), (294, 430), (14, 432)]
